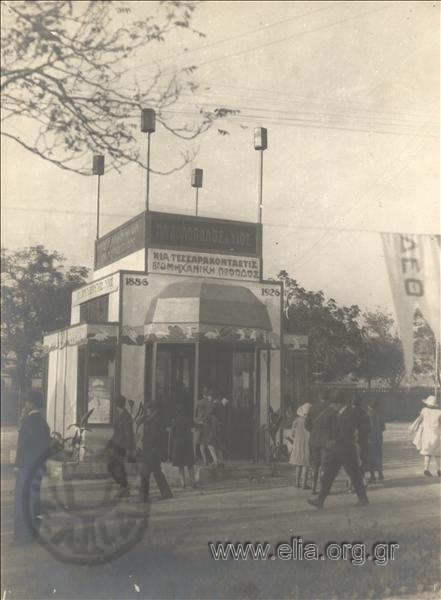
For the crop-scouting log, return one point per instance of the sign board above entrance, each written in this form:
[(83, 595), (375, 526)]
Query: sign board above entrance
[(178, 232), (122, 241), (182, 232), (95, 289), (200, 264)]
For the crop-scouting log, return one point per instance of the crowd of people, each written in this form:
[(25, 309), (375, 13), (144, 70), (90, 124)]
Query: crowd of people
[(325, 435), (335, 432)]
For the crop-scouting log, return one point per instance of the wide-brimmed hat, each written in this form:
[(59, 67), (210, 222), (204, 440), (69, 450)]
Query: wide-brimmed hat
[(430, 401), (303, 410)]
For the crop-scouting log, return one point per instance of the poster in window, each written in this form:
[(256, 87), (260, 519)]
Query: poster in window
[(100, 399)]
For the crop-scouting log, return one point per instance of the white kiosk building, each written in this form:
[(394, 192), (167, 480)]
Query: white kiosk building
[(176, 303)]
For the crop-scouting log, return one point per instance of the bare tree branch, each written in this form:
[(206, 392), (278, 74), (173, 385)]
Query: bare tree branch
[(64, 68)]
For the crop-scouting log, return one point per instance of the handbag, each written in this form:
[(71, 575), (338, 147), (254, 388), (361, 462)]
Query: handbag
[(413, 427), (417, 429)]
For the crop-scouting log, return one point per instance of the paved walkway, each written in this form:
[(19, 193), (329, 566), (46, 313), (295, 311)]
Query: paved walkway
[(173, 560)]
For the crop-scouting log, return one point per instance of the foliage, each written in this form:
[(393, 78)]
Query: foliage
[(77, 441), (381, 355), (138, 419), (36, 289), (276, 449), (335, 336), (424, 347), (65, 87)]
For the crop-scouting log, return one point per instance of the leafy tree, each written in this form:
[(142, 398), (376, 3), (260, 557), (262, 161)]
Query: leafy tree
[(335, 337), (36, 289), (65, 91), (424, 347), (381, 354)]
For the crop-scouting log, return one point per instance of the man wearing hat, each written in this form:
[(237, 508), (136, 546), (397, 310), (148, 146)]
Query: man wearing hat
[(33, 442), (318, 423), (151, 454), (427, 429), (342, 451)]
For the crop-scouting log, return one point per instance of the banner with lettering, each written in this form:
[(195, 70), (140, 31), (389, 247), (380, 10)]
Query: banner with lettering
[(413, 264)]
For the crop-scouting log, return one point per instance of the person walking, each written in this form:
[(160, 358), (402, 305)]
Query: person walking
[(427, 439), (342, 452), (377, 427), (318, 423), (362, 439), (181, 444), (300, 446), (121, 445), (151, 454), (33, 441)]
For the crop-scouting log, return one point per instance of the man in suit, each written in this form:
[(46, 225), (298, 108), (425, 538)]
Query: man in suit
[(33, 442), (152, 454), (342, 451), (121, 445), (319, 424)]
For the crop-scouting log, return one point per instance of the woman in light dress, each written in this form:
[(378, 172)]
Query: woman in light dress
[(427, 438), (300, 446)]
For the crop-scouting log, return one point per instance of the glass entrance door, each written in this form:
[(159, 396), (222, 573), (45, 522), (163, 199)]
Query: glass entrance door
[(174, 379), (229, 372), (242, 428)]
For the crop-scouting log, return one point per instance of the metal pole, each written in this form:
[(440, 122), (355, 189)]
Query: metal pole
[(261, 210), (197, 200), (437, 373), (148, 172), (98, 209), (260, 186)]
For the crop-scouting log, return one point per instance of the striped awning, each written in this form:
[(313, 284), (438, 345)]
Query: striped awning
[(201, 310)]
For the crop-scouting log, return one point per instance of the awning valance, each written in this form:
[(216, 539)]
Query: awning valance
[(200, 310), (80, 334)]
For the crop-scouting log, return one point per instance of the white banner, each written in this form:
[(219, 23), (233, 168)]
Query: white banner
[(201, 264), (413, 263)]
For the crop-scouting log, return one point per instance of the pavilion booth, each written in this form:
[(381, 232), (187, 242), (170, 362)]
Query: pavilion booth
[(176, 304)]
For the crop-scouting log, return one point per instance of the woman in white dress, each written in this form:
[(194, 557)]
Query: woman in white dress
[(300, 446), (427, 430)]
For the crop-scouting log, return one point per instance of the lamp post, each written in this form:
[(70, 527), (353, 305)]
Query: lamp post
[(98, 169), (148, 126), (196, 182), (260, 144)]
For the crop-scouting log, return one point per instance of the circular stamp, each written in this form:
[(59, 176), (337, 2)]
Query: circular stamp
[(84, 521)]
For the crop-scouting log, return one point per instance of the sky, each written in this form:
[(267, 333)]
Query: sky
[(349, 93)]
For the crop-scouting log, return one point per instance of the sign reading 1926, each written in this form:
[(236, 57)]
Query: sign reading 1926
[(196, 233)]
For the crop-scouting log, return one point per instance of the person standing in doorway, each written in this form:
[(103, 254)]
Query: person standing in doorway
[(219, 425), (204, 410), (342, 452), (181, 444), (151, 454), (33, 442), (121, 445), (318, 423)]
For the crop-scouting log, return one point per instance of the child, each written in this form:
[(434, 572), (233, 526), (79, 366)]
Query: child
[(181, 441), (300, 447)]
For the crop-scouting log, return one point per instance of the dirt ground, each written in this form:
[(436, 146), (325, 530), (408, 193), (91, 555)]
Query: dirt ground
[(173, 560)]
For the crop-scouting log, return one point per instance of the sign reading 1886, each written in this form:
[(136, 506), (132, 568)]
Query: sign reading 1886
[(196, 233)]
